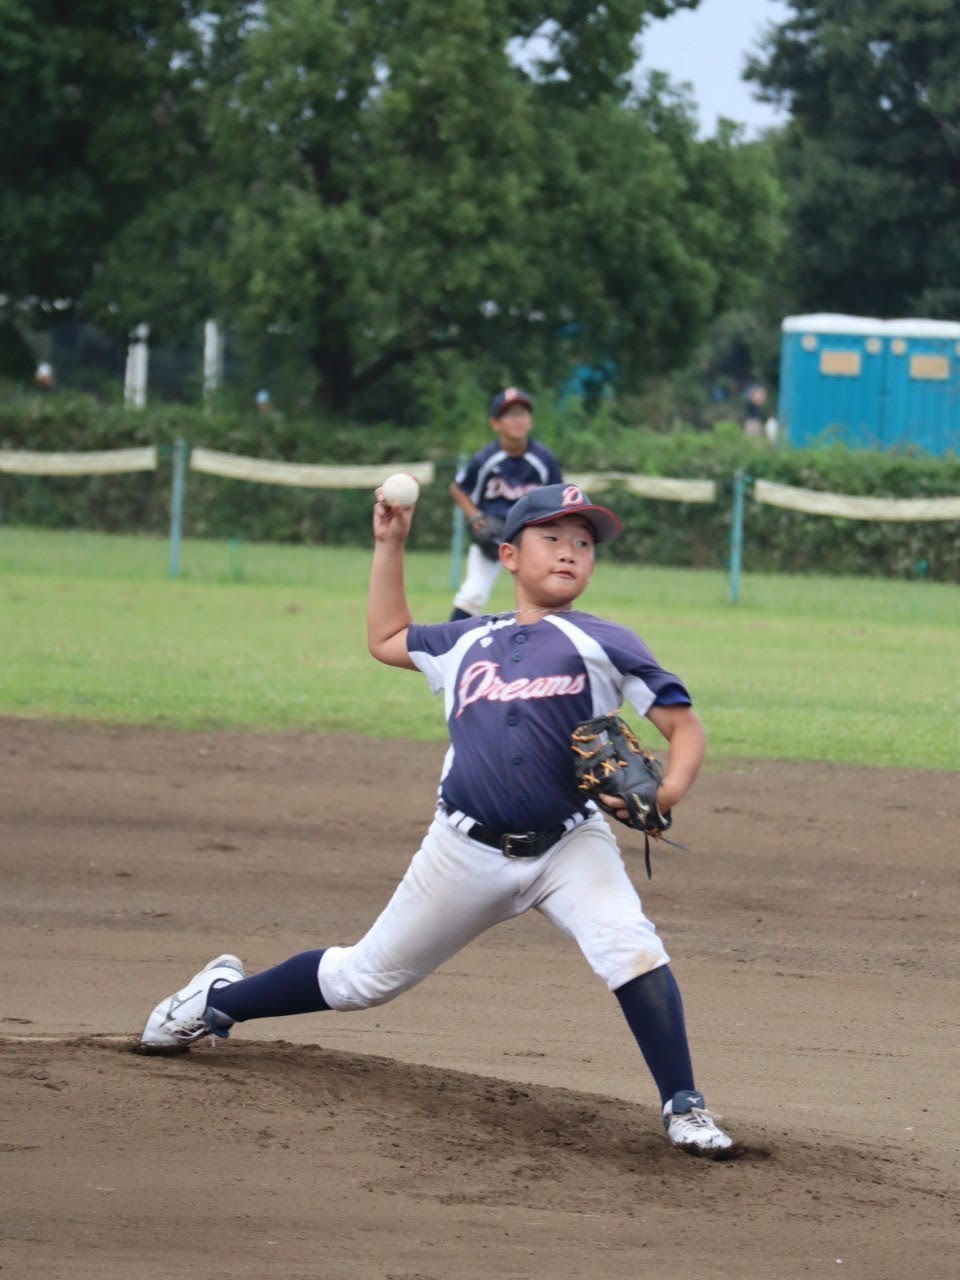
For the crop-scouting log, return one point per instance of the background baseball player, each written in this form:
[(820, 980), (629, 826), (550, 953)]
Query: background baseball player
[(515, 687), (496, 477)]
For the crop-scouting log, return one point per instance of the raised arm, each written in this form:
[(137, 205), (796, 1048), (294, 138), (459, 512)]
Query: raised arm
[(388, 614)]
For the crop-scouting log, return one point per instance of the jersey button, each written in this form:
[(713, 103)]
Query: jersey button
[(518, 760), (511, 719), (524, 797), (517, 657), (521, 638)]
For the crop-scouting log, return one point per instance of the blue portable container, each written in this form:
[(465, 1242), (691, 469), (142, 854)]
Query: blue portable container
[(876, 384)]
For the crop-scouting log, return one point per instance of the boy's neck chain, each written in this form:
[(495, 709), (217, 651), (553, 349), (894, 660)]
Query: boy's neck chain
[(542, 610)]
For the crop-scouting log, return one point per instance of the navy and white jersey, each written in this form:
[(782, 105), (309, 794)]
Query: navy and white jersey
[(513, 694), (494, 481)]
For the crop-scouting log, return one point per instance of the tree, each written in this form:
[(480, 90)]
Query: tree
[(385, 182), (395, 183), (406, 197), (99, 108), (656, 231), (870, 158)]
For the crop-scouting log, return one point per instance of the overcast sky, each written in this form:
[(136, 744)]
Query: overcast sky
[(707, 46)]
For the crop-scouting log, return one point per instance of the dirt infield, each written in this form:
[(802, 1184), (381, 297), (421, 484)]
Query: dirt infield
[(497, 1121)]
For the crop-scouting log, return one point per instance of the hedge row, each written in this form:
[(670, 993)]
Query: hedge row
[(655, 532)]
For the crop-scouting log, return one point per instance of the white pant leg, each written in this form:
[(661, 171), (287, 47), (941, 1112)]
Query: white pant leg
[(478, 583), (586, 892), (453, 890)]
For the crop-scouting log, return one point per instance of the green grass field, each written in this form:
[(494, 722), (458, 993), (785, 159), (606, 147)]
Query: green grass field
[(858, 671)]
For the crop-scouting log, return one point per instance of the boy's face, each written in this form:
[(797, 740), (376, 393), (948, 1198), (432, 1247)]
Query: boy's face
[(553, 563), (514, 424)]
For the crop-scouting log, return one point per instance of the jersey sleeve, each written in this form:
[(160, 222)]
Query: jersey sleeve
[(466, 478), (433, 646), (644, 683), (553, 470)]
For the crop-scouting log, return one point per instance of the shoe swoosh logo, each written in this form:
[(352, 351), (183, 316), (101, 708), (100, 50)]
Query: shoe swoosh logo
[(176, 1003)]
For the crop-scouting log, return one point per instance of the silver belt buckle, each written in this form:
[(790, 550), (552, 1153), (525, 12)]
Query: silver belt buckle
[(506, 845)]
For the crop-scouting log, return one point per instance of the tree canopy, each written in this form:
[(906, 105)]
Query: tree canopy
[(100, 115), (870, 157), (384, 183)]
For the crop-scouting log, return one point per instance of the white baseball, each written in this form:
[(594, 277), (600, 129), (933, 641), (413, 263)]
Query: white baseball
[(400, 489)]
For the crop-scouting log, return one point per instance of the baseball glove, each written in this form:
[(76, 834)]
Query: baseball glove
[(609, 760), (487, 533)]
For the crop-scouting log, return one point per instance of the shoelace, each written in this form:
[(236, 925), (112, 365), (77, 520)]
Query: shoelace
[(190, 1028), (700, 1118)]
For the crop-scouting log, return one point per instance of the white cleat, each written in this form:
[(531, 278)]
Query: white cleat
[(692, 1128), (183, 1018)]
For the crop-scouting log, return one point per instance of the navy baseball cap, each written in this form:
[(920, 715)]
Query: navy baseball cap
[(505, 398), (550, 502)]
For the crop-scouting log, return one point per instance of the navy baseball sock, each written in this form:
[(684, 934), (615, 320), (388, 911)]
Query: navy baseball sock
[(291, 987), (653, 1008)]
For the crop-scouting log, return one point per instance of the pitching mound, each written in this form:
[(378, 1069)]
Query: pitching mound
[(497, 1121)]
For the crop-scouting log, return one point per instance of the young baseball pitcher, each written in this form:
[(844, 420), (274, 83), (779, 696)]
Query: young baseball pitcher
[(511, 831)]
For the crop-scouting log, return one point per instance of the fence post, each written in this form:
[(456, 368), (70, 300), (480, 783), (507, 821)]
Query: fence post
[(459, 534), (736, 533), (212, 359), (138, 363), (176, 504)]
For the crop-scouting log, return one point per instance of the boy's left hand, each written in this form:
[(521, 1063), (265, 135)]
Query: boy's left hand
[(391, 523), (623, 777)]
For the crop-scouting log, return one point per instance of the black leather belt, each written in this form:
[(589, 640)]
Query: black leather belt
[(526, 844)]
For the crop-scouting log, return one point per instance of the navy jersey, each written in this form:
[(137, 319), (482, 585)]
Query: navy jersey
[(513, 695), (494, 481)]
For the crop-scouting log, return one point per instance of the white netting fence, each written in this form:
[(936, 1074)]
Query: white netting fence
[(235, 466), (849, 506), (109, 462), (368, 476)]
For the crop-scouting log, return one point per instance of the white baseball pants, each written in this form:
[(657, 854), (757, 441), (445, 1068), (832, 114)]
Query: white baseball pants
[(478, 583), (456, 888)]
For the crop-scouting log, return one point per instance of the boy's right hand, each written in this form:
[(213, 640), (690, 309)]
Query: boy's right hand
[(391, 523)]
